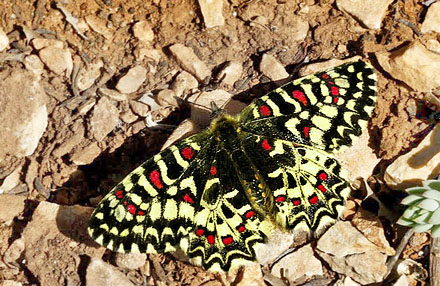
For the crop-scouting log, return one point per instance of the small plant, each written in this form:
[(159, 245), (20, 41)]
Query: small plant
[(423, 212)]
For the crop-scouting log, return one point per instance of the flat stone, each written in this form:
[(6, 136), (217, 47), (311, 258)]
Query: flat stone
[(348, 252), (143, 31), (139, 108), (230, 73), (166, 97), (212, 11), (34, 65), (100, 273), (23, 112), (188, 60), (105, 117), (11, 206), (201, 117), (112, 94), (130, 261), (10, 181), (41, 43), (369, 13), (88, 75), (53, 232), (57, 60), (99, 26), (277, 242), (408, 64), (11, 283), (185, 129), (128, 116), (272, 68), (14, 251), (151, 54), (300, 264), (419, 164), (4, 40), (86, 155), (183, 83), (132, 80), (432, 19)]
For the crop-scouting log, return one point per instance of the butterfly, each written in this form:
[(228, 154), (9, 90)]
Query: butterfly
[(219, 193)]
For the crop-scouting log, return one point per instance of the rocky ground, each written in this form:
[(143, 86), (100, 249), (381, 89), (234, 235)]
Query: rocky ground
[(88, 91)]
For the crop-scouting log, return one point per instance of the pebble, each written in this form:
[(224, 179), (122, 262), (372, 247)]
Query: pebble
[(151, 54), (87, 76), (369, 13), (432, 19), (23, 112), (112, 94), (128, 116), (419, 164), (300, 264), (185, 129), (14, 251), (166, 97), (188, 60), (318, 67), (11, 206), (41, 43), (212, 11), (132, 80), (348, 252), (201, 117), (34, 65), (4, 40), (57, 60), (149, 100), (99, 26), (143, 31), (100, 273), (86, 155), (277, 242), (10, 181), (272, 68), (139, 108), (11, 283), (183, 83), (87, 105), (408, 64), (130, 261), (105, 117), (230, 73)]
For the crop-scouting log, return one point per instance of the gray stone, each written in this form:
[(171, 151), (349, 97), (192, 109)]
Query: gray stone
[(132, 80)]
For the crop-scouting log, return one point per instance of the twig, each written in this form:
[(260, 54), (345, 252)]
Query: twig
[(434, 261), (70, 19), (403, 242)]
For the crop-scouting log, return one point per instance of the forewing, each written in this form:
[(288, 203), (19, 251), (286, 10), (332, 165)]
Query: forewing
[(326, 110)]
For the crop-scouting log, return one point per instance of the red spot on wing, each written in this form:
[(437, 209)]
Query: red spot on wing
[(323, 176), (313, 199), (280, 199), (211, 239), (330, 82), (125, 203), (335, 100), (119, 194), (131, 209), (228, 240), (299, 95), (141, 213), (266, 145), (335, 90), (200, 232), (265, 110), (306, 132), (322, 188), (188, 153), (249, 214), (213, 170), (296, 202), (155, 178), (325, 76), (241, 228), (188, 199)]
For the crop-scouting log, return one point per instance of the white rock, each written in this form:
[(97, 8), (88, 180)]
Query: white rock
[(99, 25), (57, 60), (23, 113), (132, 80), (166, 97), (212, 11), (402, 281), (11, 181), (100, 273), (369, 12), (418, 165), (414, 65), (139, 108), (41, 43), (300, 264), (143, 31), (4, 40), (149, 100), (272, 68), (190, 62), (34, 64), (87, 76), (14, 251), (432, 19), (104, 118), (184, 82), (11, 283), (277, 242), (348, 252), (230, 73), (130, 261)]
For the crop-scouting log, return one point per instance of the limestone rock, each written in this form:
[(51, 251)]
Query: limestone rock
[(185, 129), (139, 108), (4, 40), (11, 283), (212, 11), (10, 181), (112, 94), (184, 82), (348, 252), (132, 80), (99, 26), (370, 12), (57, 60), (409, 64), (230, 73), (300, 264), (143, 31), (11, 206), (166, 97), (14, 251), (104, 118), (70, 143), (418, 165), (100, 273), (277, 242), (432, 19), (86, 155), (41, 43), (130, 261), (23, 112), (34, 65), (128, 116), (272, 68), (190, 62)]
